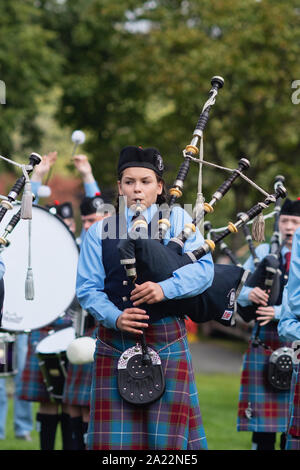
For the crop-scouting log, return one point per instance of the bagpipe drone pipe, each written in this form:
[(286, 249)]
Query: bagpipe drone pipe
[(157, 262), (148, 259), (267, 274)]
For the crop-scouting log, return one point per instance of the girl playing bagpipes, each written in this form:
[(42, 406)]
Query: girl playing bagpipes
[(173, 420)]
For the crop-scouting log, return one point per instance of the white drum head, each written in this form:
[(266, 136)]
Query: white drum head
[(54, 258), (56, 342)]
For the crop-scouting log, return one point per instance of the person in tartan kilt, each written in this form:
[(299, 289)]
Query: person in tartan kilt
[(262, 409), (289, 330), (79, 376), (174, 420), (33, 389)]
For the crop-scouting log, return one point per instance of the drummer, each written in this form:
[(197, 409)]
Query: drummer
[(79, 377), (33, 388)]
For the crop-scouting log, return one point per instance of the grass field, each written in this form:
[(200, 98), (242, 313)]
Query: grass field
[(218, 394)]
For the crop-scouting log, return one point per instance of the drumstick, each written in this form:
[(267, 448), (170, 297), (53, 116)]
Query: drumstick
[(78, 137)]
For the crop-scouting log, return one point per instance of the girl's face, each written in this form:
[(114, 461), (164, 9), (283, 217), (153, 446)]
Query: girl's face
[(140, 184)]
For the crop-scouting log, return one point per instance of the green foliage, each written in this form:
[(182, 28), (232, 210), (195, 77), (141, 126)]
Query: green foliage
[(28, 66), (139, 73)]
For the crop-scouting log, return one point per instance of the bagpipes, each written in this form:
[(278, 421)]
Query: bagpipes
[(224, 249), (22, 182), (156, 262), (148, 259), (267, 274), (25, 212), (6, 204), (269, 277)]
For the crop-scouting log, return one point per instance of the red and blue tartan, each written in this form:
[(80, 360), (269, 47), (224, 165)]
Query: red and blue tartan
[(293, 431), (33, 386), (78, 383), (172, 422), (269, 406)]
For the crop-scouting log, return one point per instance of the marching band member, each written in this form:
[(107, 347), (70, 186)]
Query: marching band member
[(289, 330), (262, 409), (79, 377), (50, 413), (174, 421), (33, 387)]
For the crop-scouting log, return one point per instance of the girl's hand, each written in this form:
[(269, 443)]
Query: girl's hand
[(265, 314), (132, 319), (148, 292), (258, 296)]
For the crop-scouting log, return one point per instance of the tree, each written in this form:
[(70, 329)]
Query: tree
[(140, 73), (28, 67)]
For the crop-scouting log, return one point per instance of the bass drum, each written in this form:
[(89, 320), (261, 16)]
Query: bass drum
[(54, 258)]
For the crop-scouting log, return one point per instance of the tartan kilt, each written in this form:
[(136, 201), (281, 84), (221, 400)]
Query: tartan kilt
[(270, 407), (33, 387), (292, 442), (172, 422), (78, 383)]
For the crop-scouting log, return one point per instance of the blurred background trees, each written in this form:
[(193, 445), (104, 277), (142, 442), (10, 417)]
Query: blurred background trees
[(138, 73)]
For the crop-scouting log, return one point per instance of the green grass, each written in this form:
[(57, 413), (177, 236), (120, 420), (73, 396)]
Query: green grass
[(218, 395), (11, 443)]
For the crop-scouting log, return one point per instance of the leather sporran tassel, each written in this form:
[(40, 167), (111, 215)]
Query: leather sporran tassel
[(258, 228)]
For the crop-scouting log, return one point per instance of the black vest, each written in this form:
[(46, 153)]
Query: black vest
[(116, 284)]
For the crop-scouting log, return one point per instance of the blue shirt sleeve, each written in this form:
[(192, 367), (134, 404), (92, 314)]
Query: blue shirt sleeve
[(294, 276), (289, 324), (91, 277), (35, 185), (91, 189), (194, 278)]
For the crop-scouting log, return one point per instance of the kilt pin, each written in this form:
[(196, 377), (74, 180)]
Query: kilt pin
[(33, 386), (172, 422), (261, 408)]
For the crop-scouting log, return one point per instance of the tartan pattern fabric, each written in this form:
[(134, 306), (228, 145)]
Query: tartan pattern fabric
[(269, 406), (172, 422), (294, 414), (292, 442), (78, 383), (33, 387)]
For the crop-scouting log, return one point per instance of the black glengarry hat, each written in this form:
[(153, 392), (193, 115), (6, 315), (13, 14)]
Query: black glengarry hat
[(132, 156), (91, 205), (290, 207), (64, 210)]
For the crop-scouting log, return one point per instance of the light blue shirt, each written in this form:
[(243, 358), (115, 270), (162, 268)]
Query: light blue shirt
[(289, 324), (189, 280), (261, 251), (2, 268)]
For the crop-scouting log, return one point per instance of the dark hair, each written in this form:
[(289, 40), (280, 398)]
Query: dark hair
[(161, 198)]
